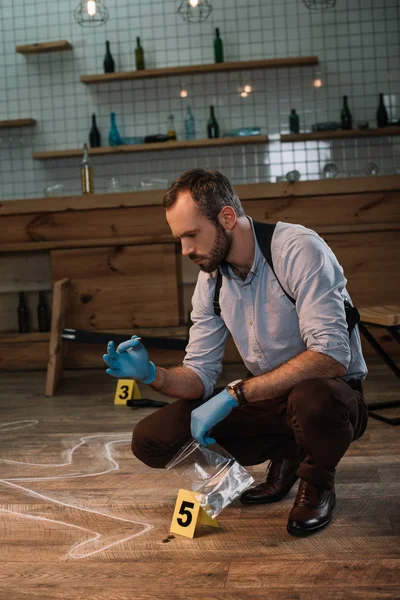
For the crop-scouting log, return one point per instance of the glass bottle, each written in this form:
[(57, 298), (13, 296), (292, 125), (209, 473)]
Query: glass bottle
[(346, 120), (114, 138), (109, 65), (139, 55), (212, 125), (171, 128), (294, 121), (86, 172), (382, 117), (23, 314), (218, 47), (43, 314), (94, 134), (190, 125)]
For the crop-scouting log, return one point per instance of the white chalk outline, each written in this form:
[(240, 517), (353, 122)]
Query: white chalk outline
[(96, 535)]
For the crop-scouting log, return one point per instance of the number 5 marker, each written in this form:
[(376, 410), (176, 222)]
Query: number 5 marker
[(187, 514)]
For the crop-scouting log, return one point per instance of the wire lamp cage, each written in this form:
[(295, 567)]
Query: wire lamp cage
[(194, 11), (319, 4), (91, 13)]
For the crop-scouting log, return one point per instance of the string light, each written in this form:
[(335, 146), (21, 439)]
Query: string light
[(183, 94), (317, 83), (91, 8)]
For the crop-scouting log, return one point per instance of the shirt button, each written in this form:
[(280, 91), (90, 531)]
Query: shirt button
[(250, 322), (259, 355)]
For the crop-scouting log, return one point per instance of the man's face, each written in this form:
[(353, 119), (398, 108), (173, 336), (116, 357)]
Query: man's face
[(206, 244)]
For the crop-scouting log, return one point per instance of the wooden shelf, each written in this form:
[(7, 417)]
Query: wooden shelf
[(272, 63), (15, 337), (42, 47), (17, 123), (178, 145), (341, 134)]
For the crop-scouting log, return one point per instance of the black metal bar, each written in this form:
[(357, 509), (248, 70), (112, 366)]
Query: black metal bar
[(382, 353), (99, 337), (389, 420)]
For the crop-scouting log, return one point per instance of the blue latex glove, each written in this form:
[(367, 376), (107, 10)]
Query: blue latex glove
[(130, 360), (209, 414)]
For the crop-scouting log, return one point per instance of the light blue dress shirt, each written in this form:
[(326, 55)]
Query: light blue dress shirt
[(266, 327)]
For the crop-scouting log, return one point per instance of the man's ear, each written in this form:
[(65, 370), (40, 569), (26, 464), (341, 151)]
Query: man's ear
[(227, 217)]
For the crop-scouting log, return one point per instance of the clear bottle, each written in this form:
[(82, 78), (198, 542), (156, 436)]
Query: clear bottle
[(294, 121), (43, 314), (114, 138), (212, 125), (346, 120), (86, 173), (109, 65), (23, 314), (94, 134), (190, 125), (218, 47), (139, 55), (382, 117), (171, 128)]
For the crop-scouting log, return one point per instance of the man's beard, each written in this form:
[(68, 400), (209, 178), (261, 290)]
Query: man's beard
[(219, 252)]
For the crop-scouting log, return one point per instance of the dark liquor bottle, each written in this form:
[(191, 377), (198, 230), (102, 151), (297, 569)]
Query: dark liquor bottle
[(139, 55), (86, 173), (346, 120), (23, 314), (43, 314), (94, 135), (212, 125), (218, 47), (382, 118), (294, 122), (109, 65)]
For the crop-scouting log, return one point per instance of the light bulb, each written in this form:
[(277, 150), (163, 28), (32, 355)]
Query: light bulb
[(91, 8), (183, 94), (247, 89), (194, 3), (244, 94), (317, 83)]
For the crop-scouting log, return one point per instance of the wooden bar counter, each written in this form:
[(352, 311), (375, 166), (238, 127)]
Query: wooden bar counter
[(127, 270)]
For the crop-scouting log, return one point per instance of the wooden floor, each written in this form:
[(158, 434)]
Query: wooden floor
[(81, 518)]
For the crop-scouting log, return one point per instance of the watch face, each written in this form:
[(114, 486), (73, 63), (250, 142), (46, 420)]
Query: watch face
[(233, 383)]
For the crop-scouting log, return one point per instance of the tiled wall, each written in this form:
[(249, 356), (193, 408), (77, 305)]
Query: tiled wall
[(357, 43)]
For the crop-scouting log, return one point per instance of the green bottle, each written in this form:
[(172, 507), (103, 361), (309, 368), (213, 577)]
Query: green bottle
[(218, 47), (139, 55), (212, 125)]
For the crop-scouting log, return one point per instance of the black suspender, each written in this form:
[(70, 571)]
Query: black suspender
[(264, 233)]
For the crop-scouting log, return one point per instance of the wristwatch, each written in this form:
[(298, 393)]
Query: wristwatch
[(237, 387)]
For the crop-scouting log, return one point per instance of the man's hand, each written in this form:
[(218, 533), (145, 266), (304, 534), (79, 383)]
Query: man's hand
[(209, 414), (131, 360)]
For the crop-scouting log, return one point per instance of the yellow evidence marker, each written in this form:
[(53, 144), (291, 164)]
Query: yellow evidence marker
[(188, 513), (127, 389)]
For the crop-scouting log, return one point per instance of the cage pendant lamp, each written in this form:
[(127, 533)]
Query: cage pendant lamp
[(319, 4), (194, 11), (91, 13)]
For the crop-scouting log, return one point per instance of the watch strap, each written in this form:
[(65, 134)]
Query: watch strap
[(239, 393)]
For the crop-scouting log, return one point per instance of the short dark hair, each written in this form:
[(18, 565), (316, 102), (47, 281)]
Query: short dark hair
[(210, 190)]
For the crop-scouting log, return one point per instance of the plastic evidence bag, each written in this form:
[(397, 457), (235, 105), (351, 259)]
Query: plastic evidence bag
[(213, 473)]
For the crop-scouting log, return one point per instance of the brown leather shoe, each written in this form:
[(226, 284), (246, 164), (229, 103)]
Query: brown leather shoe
[(312, 510), (281, 477)]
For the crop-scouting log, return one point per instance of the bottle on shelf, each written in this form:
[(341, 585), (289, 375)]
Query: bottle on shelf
[(171, 128), (294, 121), (94, 134), (43, 314), (23, 314), (86, 172), (109, 64), (218, 47), (139, 55), (212, 125), (346, 120), (114, 138), (190, 125), (382, 117)]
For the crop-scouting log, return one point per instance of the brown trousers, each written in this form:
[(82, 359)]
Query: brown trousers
[(316, 421)]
